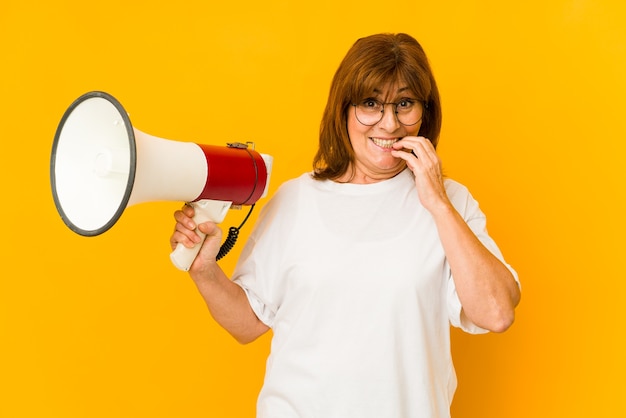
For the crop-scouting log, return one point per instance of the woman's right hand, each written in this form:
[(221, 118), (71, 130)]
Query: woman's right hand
[(185, 234)]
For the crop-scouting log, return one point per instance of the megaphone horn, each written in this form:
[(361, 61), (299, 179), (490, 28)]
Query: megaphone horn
[(100, 165)]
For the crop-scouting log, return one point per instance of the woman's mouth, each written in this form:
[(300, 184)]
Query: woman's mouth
[(384, 143)]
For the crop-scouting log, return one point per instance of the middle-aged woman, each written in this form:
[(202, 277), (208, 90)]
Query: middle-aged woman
[(360, 267)]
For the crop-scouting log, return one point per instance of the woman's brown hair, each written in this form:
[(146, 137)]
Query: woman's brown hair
[(371, 63)]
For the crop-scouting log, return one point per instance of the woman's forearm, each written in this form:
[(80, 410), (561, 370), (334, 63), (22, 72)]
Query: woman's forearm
[(486, 288), (229, 304)]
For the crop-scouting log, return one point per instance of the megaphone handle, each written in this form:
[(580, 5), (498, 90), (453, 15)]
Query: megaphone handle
[(205, 210)]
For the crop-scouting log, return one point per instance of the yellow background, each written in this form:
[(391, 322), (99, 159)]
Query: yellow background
[(534, 102)]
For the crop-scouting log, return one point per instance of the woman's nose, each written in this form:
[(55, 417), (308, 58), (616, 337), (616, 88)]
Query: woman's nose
[(389, 121)]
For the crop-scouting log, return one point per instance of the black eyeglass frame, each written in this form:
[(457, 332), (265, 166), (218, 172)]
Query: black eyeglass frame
[(395, 111)]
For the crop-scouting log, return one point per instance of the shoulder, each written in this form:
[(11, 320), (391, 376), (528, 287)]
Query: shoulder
[(282, 211), (461, 198), (286, 198), (455, 188), (292, 188), (296, 183)]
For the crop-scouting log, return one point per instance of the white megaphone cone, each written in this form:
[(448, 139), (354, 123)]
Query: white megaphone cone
[(100, 165)]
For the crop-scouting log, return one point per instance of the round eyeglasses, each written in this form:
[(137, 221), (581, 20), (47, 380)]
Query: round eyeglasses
[(370, 111)]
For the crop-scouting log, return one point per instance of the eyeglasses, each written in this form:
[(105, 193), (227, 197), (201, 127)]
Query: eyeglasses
[(370, 111)]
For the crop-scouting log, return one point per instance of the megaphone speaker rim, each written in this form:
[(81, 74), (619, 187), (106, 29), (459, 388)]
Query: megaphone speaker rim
[(132, 164)]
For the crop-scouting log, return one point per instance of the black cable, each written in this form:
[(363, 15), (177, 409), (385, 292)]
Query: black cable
[(233, 233), (231, 239)]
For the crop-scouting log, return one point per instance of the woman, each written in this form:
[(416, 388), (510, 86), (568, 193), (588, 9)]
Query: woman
[(360, 267)]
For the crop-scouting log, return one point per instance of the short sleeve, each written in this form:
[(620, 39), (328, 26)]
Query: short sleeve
[(468, 207)]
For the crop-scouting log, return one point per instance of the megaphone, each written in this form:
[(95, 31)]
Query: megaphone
[(100, 165)]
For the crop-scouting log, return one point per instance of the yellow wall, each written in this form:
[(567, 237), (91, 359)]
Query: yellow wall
[(534, 102)]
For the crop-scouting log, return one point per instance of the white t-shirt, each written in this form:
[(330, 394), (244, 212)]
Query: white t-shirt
[(354, 283)]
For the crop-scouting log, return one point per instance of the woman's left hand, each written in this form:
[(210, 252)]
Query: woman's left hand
[(423, 161)]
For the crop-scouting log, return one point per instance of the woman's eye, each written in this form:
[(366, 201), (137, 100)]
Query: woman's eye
[(370, 103), (405, 104)]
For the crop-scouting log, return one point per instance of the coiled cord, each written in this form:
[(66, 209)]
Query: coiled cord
[(231, 239), (233, 233)]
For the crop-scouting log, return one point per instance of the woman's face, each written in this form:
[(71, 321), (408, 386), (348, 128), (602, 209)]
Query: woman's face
[(372, 144)]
